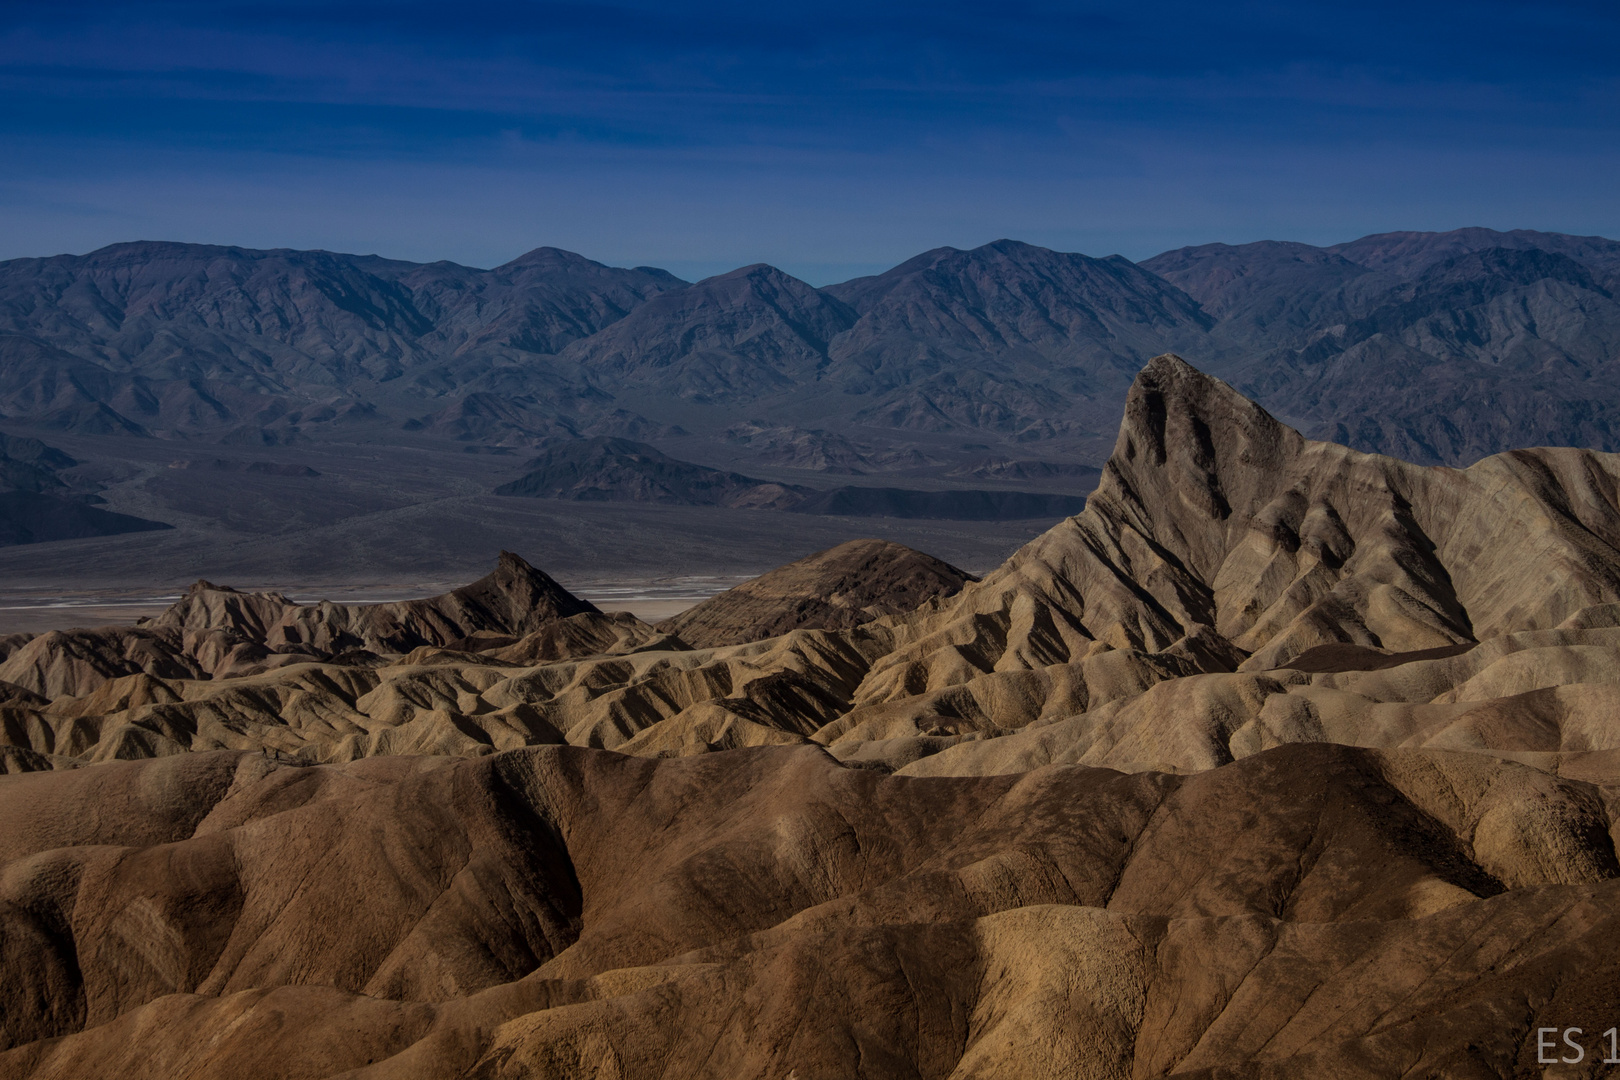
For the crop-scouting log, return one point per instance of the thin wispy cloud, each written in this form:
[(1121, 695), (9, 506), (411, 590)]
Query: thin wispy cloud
[(828, 135)]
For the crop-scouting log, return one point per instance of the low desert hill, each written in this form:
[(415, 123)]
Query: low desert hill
[(619, 470), (38, 506), (841, 587), (1280, 759)]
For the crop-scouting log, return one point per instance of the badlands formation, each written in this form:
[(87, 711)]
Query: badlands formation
[(1279, 760)]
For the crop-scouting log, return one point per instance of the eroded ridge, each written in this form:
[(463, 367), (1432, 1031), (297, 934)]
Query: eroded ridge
[(1280, 759)]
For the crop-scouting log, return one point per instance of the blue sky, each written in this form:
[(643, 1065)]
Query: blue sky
[(831, 139)]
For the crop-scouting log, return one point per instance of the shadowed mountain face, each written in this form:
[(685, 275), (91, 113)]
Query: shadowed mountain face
[(1436, 347), (1008, 337), (1021, 341), (1408, 254), (31, 466), (1441, 347), (727, 339), (1278, 760), (156, 337), (37, 505)]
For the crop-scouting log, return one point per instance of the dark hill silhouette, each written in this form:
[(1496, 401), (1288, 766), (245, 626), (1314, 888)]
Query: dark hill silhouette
[(29, 518), (37, 506), (619, 470)]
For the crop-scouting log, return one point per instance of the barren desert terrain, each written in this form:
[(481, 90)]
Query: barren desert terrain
[(1280, 759)]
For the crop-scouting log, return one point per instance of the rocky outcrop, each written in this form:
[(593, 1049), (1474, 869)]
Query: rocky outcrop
[(221, 632), (841, 587), (515, 599), (1220, 534)]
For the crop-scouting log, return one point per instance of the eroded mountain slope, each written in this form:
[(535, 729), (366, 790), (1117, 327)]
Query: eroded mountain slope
[(843, 586), (1280, 759), (1220, 545), (561, 912)]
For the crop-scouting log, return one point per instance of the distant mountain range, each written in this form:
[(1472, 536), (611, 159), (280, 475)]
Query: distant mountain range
[(1439, 347), (1436, 347)]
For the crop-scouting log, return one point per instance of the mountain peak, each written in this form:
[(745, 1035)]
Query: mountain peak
[(548, 256), (1176, 414), (1008, 246), (523, 595), (757, 272)]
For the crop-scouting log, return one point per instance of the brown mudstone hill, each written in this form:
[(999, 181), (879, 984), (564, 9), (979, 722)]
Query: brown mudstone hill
[(515, 599), (215, 631), (1278, 760), (1313, 911), (841, 587)]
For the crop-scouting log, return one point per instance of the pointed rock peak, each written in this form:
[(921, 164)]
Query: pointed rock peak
[(1169, 365), (510, 562), (1190, 440), (1168, 387), (525, 594), (1167, 383)]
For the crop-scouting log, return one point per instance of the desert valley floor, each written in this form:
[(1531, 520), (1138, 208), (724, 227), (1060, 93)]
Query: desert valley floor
[(1278, 760)]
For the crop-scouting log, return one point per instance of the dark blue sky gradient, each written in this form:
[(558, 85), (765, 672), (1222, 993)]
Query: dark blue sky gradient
[(830, 139)]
